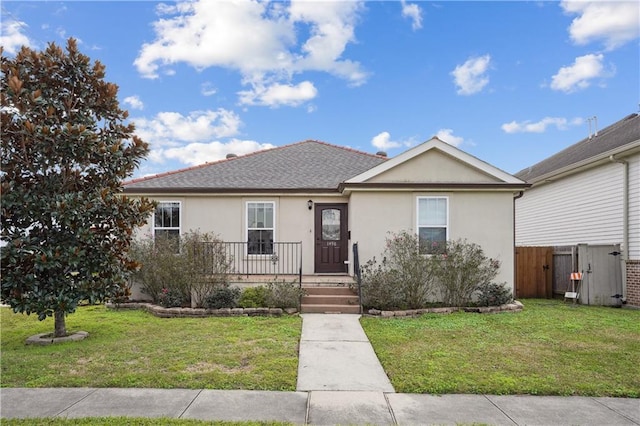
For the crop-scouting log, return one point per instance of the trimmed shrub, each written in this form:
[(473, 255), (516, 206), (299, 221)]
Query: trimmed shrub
[(403, 280), (461, 271), (284, 294), (378, 288), (194, 269), (492, 294), (171, 298), (222, 297), (254, 297)]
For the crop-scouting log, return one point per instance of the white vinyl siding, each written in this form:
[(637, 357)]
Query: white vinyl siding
[(583, 208)]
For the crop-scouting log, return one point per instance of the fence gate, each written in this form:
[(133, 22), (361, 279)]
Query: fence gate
[(602, 283), (534, 272)]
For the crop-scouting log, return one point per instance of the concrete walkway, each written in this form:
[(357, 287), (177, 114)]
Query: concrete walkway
[(340, 381), (335, 355)]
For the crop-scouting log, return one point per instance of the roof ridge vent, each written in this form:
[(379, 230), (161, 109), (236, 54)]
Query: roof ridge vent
[(231, 155), (381, 154)]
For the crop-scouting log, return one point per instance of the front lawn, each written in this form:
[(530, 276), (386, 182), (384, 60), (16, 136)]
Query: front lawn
[(550, 348), (135, 349)]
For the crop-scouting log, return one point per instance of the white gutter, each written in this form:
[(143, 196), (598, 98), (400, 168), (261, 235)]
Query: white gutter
[(625, 219)]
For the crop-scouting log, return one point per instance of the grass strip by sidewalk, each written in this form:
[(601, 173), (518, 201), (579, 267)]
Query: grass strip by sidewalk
[(550, 348), (130, 348)]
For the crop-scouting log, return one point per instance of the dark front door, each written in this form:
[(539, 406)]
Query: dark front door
[(331, 238)]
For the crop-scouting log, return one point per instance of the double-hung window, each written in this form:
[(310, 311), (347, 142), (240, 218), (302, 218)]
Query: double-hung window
[(166, 221), (433, 224), (260, 227)]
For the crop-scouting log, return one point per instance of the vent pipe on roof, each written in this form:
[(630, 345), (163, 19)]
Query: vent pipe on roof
[(595, 123), (231, 156), (381, 154)]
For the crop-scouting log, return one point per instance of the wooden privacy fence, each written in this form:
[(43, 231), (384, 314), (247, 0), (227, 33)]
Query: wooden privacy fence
[(534, 272)]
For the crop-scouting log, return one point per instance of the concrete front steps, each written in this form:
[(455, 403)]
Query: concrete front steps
[(329, 300)]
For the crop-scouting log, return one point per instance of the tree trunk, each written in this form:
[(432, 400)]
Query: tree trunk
[(60, 325)]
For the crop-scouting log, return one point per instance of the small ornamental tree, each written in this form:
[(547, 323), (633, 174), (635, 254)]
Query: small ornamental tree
[(65, 150)]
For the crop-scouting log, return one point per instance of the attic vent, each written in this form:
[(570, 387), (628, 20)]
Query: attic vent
[(231, 156), (381, 154)]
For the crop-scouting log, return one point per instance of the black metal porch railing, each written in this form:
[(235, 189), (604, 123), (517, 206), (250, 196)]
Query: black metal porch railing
[(358, 273), (278, 258)]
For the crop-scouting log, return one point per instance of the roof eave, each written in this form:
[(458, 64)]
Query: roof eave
[(230, 191), (586, 164), (348, 187)]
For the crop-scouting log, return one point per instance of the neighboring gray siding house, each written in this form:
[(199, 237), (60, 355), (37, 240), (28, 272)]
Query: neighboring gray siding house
[(326, 197), (588, 193)]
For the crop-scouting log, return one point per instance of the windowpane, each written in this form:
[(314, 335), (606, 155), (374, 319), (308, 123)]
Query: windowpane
[(260, 242), (260, 230), (432, 211), (166, 222), (432, 224), (432, 240), (331, 225)]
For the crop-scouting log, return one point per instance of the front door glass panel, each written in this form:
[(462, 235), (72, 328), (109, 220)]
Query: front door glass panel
[(331, 225)]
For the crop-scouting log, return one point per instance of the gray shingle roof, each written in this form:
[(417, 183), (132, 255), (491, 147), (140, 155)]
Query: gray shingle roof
[(623, 132), (308, 165)]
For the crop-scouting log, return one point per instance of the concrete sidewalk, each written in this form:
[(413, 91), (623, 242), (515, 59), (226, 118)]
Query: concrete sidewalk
[(340, 381), (335, 355), (318, 407)]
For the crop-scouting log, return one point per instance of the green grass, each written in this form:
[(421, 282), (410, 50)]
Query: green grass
[(135, 349), (550, 348), (131, 421)]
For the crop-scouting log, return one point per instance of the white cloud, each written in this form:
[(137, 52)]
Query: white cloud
[(578, 76), (13, 37), (200, 153), (413, 12), (470, 77), (134, 102), (527, 126), (279, 94), (613, 22), (257, 39), (383, 141), (446, 135), (207, 89), (172, 129)]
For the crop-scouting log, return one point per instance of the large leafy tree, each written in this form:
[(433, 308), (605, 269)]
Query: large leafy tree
[(66, 147)]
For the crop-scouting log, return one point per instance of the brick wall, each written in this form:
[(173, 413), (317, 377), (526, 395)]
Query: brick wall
[(633, 283)]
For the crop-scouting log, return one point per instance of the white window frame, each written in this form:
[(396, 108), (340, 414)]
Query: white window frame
[(247, 228), (432, 225), (168, 228)]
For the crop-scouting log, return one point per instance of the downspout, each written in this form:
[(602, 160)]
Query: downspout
[(625, 221), (515, 255)]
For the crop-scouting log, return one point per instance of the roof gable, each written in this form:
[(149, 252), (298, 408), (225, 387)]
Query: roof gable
[(307, 165), (435, 161), (619, 137)]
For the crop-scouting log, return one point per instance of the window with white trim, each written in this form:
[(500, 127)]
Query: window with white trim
[(433, 224), (166, 221), (260, 227)]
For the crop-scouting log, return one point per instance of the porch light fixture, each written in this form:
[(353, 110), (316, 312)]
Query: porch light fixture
[(310, 204)]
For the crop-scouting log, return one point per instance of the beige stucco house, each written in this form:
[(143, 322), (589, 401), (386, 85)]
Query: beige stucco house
[(324, 198)]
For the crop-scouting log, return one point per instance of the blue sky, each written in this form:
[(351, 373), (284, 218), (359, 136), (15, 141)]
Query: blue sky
[(509, 82)]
